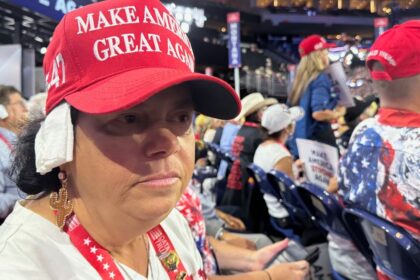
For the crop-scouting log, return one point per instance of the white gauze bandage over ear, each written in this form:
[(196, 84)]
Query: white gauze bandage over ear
[(55, 140)]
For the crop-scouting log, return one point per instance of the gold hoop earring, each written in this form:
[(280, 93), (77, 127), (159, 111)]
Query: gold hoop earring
[(60, 202)]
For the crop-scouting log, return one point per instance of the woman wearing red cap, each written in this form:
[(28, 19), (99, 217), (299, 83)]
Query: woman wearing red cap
[(108, 164), (312, 90)]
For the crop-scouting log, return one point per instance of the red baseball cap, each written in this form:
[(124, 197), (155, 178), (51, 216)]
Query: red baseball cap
[(398, 50), (313, 43), (112, 55)]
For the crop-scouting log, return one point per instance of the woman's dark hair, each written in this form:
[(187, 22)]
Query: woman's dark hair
[(23, 169), (253, 118), (273, 136)]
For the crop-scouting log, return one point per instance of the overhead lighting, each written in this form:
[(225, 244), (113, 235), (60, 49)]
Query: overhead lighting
[(185, 27), (354, 50), (43, 50), (38, 39), (372, 6), (187, 15)]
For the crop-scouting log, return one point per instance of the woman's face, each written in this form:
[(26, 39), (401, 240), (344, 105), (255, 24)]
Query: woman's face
[(135, 162)]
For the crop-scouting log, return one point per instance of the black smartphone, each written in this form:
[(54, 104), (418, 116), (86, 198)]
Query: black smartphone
[(312, 256), (295, 252)]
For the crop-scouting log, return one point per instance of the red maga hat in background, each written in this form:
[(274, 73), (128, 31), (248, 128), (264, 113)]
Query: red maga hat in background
[(398, 50), (313, 43)]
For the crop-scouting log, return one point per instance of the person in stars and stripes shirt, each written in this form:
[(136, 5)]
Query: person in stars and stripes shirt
[(381, 170)]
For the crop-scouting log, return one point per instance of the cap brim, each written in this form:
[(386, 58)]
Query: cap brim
[(256, 107), (211, 96), (377, 75), (380, 76)]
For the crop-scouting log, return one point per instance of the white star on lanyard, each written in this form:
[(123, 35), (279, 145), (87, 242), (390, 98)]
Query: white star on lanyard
[(93, 250), (86, 241), (111, 275), (106, 266), (100, 258)]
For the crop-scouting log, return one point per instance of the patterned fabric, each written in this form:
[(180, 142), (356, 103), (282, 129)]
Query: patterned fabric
[(237, 192), (190, 207), (381, 170)]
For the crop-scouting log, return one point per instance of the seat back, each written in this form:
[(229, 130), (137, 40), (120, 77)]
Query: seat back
[(255, 208), (323, 207), (228, 157), (395, 251), (202, 173), (260, 177), (212, 147), (285, 189), (327, 213), (265, 187)]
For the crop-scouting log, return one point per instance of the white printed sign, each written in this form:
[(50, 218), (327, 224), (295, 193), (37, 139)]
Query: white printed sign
[(320, 161), (339, 80)]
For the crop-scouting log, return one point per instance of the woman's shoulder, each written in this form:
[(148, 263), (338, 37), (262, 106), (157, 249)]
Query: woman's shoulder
[(31, 247), (271, 146), (23, 229), (22, 245), (268, 153)]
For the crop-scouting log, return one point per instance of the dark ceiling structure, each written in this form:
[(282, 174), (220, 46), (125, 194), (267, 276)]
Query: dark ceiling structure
[(290, 18), (22, 26)]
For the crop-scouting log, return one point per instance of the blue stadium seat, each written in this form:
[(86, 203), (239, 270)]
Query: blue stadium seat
[(213, 147), (228, 157), (285, 188), (395, 251), (200, 174), (260, 178), (327, 212), (323, 207)]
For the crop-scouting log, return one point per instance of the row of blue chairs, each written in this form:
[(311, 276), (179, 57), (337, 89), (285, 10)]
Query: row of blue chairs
[(384, 244), (223, 155), (395, 251)]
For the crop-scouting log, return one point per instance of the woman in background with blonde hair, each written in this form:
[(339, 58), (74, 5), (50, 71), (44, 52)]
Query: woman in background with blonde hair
[(312, 90)]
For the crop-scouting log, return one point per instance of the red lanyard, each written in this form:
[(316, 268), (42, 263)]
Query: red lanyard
[(251, 124), (4, 139), (103, 262)]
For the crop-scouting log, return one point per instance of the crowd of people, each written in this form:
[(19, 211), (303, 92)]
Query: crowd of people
[(377, 140), (111, 175)]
